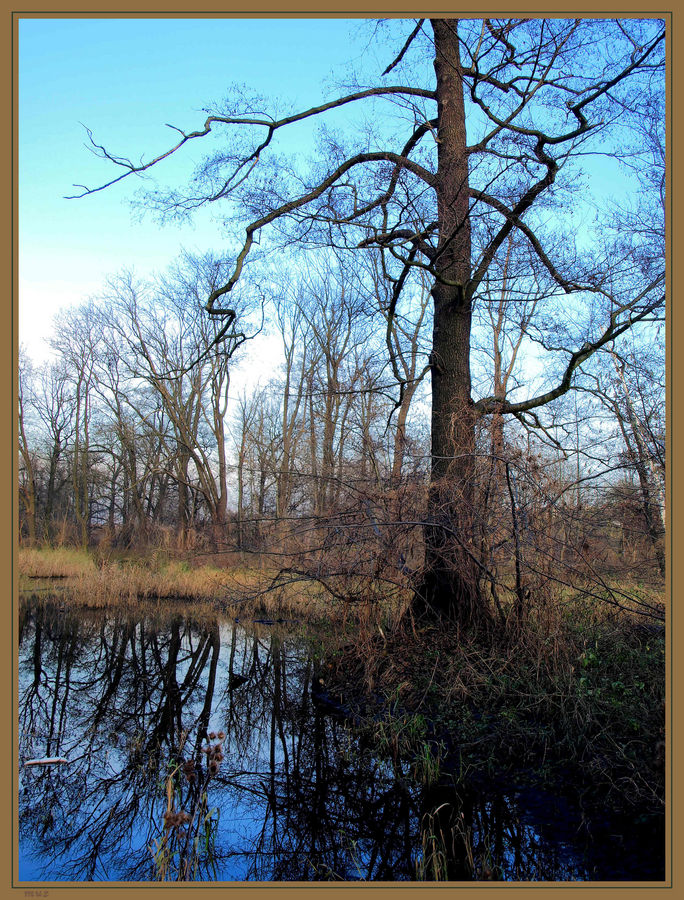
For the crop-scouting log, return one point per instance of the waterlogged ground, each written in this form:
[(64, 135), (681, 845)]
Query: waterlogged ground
[(288, 790)]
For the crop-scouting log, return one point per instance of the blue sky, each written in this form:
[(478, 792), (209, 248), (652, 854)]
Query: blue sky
[(124, 79)]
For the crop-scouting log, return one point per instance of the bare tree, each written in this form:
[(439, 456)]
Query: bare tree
[(408, 358), (535, 95), (297, 348), (245, 414), (173, 348), (55, 408), (27, 474), (78, 342), (636, 403), (329, 303), (136, 438)]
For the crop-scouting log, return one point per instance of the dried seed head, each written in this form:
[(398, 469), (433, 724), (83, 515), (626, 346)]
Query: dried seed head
[(221, 735), (212, 735), (171, 819), (213, 767)]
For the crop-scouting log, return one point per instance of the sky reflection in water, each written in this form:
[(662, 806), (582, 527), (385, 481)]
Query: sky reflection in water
[(297, 795)]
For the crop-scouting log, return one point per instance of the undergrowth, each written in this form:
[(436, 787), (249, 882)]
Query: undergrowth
[(577, 695)]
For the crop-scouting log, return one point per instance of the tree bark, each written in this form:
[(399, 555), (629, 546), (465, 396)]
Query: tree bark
[(449, 588)]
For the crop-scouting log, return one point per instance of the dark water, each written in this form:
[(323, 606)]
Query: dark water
[(294, 793)]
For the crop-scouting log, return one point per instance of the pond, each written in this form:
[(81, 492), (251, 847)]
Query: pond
[(201, 749)]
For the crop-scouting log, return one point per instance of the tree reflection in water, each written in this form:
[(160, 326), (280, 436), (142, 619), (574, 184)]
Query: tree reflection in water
[(131, 704)]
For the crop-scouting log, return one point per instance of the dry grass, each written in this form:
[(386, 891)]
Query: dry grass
[(54, 562), (98, 580), (265, 591), (111, 583)]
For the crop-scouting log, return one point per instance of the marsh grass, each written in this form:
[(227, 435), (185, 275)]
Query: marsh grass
[(112, 582), (578, 693), (437, 850), (54, 562), (117, 580), (186, 847), (445, 838)]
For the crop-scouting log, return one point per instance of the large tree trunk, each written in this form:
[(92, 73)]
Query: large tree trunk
[(449, 588)]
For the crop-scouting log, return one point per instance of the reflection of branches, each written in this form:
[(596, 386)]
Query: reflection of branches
[(99, 804), (300, 797), (105, 807)]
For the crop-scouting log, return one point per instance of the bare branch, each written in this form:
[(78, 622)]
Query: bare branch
[(615, 328), (271, 126), (403, 50), (567, 285), (304, 200)]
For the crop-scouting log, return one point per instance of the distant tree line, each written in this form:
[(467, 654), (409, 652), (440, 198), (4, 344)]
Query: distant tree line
[(133, 436)]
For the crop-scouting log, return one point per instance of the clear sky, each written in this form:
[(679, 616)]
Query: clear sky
[(125, 79)]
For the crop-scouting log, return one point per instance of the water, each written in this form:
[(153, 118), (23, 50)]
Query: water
[(298, 795)]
